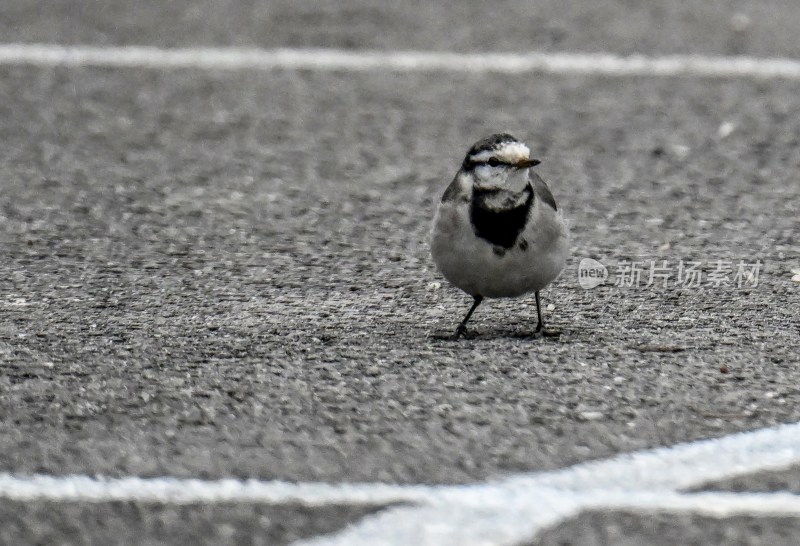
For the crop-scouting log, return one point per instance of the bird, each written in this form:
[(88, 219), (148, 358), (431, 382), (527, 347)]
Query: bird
[(497, 231)]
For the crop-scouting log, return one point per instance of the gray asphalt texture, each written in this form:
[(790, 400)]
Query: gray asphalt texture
[(216, 274), (49, 523), (722, 27)]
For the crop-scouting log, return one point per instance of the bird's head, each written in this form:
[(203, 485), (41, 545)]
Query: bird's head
[(499, 161)]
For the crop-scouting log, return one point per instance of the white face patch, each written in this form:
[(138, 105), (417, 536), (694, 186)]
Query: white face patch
[(505, 178), (512, 152)]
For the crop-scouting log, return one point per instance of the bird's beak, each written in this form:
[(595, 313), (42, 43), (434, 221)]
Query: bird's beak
[(527, 163)]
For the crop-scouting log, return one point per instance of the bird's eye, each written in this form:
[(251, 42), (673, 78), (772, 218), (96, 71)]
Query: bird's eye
[(494, 162)]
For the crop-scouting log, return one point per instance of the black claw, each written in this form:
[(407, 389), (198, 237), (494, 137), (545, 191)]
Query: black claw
[(461, 331)]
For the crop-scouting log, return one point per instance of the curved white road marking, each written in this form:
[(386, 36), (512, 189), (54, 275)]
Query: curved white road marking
[(681, 466), (224, 58), (493, 513), (515, 510)]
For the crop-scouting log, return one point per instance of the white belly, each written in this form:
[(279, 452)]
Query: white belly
[(478, 268)]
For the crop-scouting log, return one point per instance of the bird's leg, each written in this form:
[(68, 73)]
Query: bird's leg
[(462, 328), (540, 326)]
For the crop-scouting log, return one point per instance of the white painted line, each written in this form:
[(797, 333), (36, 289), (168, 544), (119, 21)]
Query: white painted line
[(495, 513), (192, 491), (684, 465), (515, 510), (602, 64), (716, 504), (519, 522)]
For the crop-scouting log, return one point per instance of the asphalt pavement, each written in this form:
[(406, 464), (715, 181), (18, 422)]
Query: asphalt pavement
[(226, 274)]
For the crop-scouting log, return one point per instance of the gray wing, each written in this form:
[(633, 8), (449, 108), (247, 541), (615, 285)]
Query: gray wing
[(455, 191), (541, 190)]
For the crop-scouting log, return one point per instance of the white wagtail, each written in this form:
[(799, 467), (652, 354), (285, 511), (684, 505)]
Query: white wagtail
[(498, 232)]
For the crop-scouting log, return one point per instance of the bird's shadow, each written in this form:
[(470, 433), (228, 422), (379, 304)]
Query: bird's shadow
[(473, 335)]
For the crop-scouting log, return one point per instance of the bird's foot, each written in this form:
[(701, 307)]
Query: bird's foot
[(462, 332), (541, 332)]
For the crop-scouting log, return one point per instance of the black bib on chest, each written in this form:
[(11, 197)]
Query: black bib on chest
[(499, 215)]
